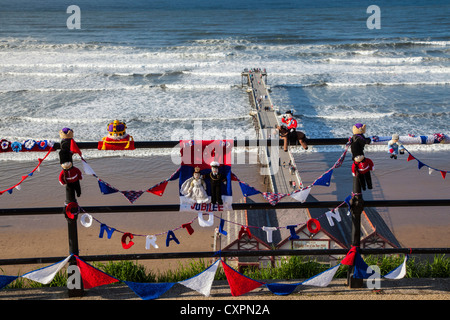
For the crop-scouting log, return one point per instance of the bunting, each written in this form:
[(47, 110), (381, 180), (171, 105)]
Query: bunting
[(46, 275), (421, 164), (239, 284), (93, 277), (399, 272), (149, 291), (17, 185), (323, 279), (202, 282)]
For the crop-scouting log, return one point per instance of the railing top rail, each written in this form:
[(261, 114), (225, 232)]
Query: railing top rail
[(236, 206), (227, 254)]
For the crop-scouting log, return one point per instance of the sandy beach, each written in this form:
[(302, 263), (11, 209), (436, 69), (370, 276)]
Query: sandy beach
[(46, 236)]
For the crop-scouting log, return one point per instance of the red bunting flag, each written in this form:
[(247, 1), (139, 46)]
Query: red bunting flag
[(410, 157), (349, 259), (239, 284), (443, 173), (158, 189), (74, 147), (93, 277)]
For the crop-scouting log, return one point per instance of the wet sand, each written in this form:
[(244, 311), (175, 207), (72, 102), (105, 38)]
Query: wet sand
[(46, 236)]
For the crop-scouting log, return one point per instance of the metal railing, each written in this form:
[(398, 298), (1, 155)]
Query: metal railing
[(357, 205)]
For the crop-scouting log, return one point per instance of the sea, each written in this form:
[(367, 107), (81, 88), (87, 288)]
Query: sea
[(171, 70)]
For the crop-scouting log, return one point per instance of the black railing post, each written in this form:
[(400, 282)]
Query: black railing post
[(76, 288), (356, 208)]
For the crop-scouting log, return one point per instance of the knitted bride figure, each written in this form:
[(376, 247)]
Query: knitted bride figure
[(195, 188)]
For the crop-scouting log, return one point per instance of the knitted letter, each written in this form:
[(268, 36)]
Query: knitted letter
[(150, 240), (104, 228), (269, 231), (293, 236), (171, 236), (126, 245)]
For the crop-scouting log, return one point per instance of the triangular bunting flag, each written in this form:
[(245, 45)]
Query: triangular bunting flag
[(322, 279), (149, 291), (92, 277), (349, 259), (399, 272), (132, 196), (158, 189), (74, 147), (443, 174), (106, 188), (420, 164), (273, 198), (203, 281), (301, 195), (239, 284), (324, 180), (5, 280), (87, 169), (45, 275), (410, 157), (281, 289), (247, 190), (362, 270)]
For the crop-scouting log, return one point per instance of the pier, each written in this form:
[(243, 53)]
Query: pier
[(283, 176), (277, 168)]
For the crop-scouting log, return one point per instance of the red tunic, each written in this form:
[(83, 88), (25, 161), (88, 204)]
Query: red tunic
[(71, 175), (362, 167)]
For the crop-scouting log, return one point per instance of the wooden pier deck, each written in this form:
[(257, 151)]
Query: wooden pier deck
[(277, 167), (283, 179)]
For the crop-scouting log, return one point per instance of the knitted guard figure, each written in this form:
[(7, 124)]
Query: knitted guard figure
[(361, 170), (69, 176), (117, 139), (216, 179), (195, 188), (288, 132), (358, 141), (394, 146)]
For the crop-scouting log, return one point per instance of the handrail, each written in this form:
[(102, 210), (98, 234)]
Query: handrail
[(236, 206), (242, 253), (237, 143)]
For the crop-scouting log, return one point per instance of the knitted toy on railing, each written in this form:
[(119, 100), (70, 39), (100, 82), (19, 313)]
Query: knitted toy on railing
[(117, 138), (394, 147), (358, 140), (361, 170), (69, 176)]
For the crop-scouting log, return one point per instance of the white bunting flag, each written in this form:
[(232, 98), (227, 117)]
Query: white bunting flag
[(322, 279), (399, 272), (203, 281), (87, 169), (301, 195), (45, 275)]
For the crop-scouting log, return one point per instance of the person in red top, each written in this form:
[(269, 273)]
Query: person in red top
[(361, 170)]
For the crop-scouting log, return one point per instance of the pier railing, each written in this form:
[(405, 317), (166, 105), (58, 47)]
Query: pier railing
[(356, 209)]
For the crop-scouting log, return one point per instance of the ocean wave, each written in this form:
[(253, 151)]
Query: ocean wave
[(178, 87), (362, 84), (348, 115)]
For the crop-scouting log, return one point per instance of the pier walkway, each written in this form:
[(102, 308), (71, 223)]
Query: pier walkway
[(284, 177), (277, 167)]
